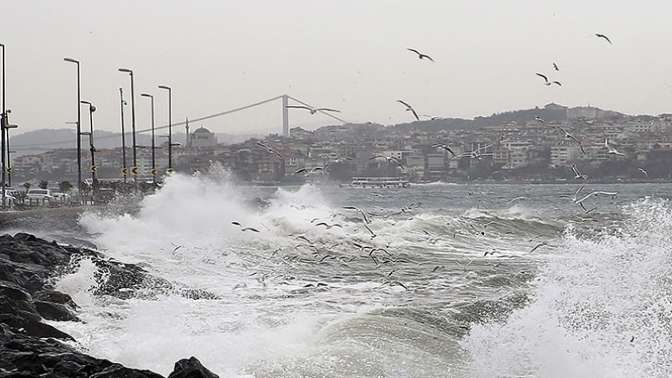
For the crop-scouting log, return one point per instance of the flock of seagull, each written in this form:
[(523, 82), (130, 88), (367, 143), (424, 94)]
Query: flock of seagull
[(381, 255)]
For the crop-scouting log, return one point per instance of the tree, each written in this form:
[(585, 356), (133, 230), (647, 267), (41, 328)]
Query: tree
[(26, 185), (65, 186), (44, 184)]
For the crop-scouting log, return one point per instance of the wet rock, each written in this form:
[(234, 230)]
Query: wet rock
[(54, 296), (191, 368), (54, 311), (32, 327), (24, 356)]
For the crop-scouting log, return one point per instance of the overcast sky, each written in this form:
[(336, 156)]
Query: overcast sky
[(347, 54)]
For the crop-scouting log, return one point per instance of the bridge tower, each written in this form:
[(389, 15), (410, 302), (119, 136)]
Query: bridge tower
[(285, 116)]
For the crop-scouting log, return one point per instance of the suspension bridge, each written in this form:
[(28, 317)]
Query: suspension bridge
[(283, 99)]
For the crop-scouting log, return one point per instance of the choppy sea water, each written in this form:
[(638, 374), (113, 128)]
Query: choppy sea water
[(451, 288)]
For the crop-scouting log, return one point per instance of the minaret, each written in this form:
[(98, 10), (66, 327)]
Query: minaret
[(187, 141)]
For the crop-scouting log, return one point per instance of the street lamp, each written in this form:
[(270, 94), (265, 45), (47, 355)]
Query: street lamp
[(153, 148), (92, 108), (122, 103), (79, 127), (135, 159), (9, 160), (3, 124), (170, 126)]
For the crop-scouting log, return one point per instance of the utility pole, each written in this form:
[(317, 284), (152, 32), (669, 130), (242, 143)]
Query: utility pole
[(79, 128)]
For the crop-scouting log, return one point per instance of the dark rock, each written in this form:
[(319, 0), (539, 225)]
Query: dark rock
[(24, 356), (31, 327), (54, 311), (13, 291), (191, 368), (54, 296)]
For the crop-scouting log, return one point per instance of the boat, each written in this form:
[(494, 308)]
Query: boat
[(379, 182)]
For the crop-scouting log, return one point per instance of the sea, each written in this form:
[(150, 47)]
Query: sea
[(435, 280)]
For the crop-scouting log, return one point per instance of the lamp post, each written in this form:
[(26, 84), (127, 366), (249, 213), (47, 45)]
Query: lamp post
[(9, 160), (3, 123), (170, 126), (135, 156), (153, 147), (122, 103), (79, 127), (92, 148)]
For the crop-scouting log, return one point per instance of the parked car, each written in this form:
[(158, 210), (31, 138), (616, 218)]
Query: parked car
[(39, 194)]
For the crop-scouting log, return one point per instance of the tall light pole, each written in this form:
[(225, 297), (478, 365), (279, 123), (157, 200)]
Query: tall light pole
[(9, 159), (122, 103), (170, 126), (153, 147), (135, 147), (92, 148), (3, 124), (79, 128)]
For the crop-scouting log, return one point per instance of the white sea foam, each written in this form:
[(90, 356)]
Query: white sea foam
[(589, 303)]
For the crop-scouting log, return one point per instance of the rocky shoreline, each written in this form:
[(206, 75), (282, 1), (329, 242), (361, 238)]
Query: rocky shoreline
[(31, 348)]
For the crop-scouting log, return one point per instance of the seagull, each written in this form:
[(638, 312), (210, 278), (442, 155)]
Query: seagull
[(577, 174), (306, 171), (559, 84), (388, 159), (543, 244), (421, 55), (586, 210), (409, 108), (311, 109), (364, 217), (604, 37), (539, 119), (612, 150), (430, 117), (373, 234), (328, 226), (576, 194), (572, 137), (516, 199), (644, 172), (555, 67), (544, 77), (249, 229), (444, 147), (599, 193)]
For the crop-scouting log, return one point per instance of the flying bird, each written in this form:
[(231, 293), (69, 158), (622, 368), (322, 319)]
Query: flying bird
[(409, 108), (421, 55), (544, 77), (572, 137), (543, 244), (611, 150), (577, 174), (559, 84), (555, 67), (604, 37), (539, 119), (364, 216), (311, 109), (444, 147), (328, 226), (611, 194), (644, 172)]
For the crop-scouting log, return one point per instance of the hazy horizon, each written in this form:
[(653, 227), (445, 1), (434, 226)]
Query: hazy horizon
[(347, 55)]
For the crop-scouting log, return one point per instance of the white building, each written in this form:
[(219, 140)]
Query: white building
[(202, 137)]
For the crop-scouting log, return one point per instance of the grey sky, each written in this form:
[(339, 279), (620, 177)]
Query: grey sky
[(348, 54)]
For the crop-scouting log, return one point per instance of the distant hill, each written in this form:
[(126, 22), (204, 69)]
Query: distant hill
[(37, 141)]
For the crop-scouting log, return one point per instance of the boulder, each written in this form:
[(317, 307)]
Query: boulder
[(191, 368)]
